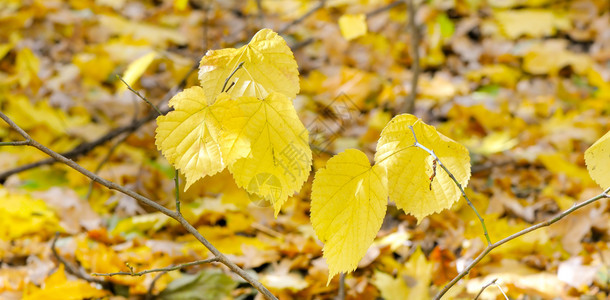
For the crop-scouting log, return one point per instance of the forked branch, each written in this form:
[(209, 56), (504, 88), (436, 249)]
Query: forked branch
[(144, 200)]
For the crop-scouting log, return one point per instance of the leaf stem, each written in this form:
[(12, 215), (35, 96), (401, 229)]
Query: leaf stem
[(457, 183), (177, 188), (231, 75)]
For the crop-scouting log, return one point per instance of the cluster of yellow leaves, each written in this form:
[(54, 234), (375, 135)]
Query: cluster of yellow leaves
[(249, 125), (349, 196)]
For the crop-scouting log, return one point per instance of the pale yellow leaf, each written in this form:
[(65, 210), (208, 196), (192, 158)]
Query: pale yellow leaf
[(391, 288), (269, 66), (348, 203), (190, 136), (279, 158), (535, 23), (597, 158), (420, 269), (352, 26), (414, 183), (135, 70), (57, 287), (27, 66)]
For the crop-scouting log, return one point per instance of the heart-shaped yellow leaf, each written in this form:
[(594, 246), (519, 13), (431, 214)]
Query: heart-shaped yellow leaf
[(190, 136), (416, 183), (348, 203)]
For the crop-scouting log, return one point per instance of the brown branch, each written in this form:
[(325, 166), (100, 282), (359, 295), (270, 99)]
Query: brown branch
[(140, 95), (104, 161), (484, 287), (151, 287), (341, 292), (75, 270), (17, 143), (409, 104), (303, 17), (167, 269), (87, 147), (516, 235), (144, 200)]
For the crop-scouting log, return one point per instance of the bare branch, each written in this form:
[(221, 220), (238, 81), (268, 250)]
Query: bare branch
[(341, 292), (303, 17), (104, 161), (75, 270), (139, 95), (17, 143), (151, 287), (518, 234), (484, 287), (172, 214), (167, 269)]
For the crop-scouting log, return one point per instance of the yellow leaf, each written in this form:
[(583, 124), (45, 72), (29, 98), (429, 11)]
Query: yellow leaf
[(597, 158), (532, 22), (180, 4), (57, 286), (391, 288), (279, 158), (348, 203), (135, 70), (420, 269), (557, 163), (352, 26), (190, 135), (414, 183), (27, 66), (269, 66), (20, 215)]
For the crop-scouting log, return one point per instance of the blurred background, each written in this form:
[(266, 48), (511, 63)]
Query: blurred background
[(523, 84)]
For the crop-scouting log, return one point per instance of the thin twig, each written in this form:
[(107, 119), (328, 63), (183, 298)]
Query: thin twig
[(177, 188), (75, 270), (241, 64), (144, 200), (139, 95), (87, 147), (167, 269), (501, 290), (104, 161), (516, 235), (341, 292), (303, 17), (484, 287), (384, 8), (409, 104), (457, 183), (17, 143), (151, 287)]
